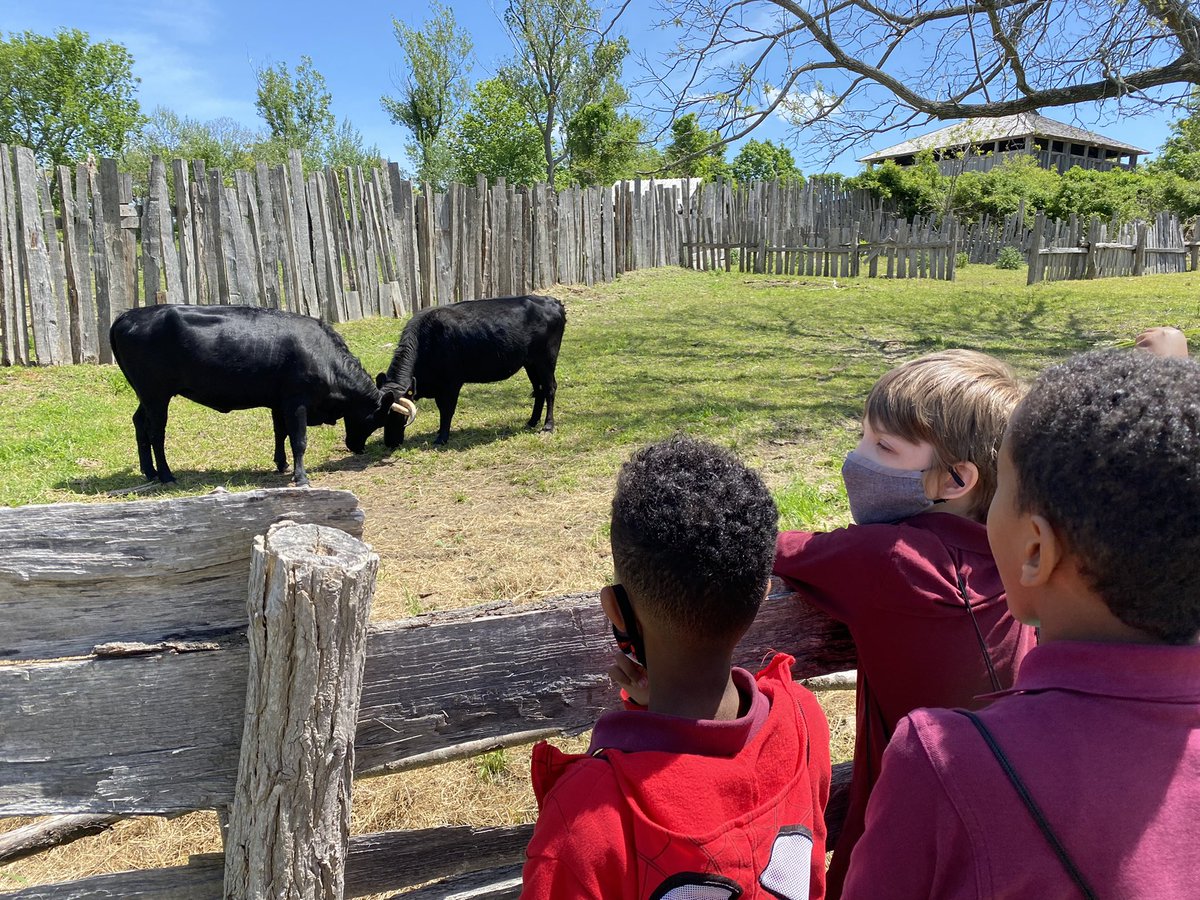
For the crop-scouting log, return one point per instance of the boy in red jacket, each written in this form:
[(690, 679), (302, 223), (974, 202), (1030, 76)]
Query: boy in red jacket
[(716, 787), (1096, 530), (914, 579)]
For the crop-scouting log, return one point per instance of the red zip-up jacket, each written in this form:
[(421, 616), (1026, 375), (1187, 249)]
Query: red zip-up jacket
[(661, 804)]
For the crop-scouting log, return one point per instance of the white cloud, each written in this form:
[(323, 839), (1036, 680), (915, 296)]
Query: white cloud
[(801, 108)]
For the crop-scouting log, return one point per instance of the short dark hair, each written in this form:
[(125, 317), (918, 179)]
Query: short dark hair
[(693, 537), (1107, 447)]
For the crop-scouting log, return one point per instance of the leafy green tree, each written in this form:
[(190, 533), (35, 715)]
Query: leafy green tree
[(692, 151), (563, 63), (603, 144), (917, 190), (346, 147), (1116, 194), (222, 143), (431, 94), (1180, 155), (999, 191), (764, 161), (295, 107), (63, 96), (497, 138)]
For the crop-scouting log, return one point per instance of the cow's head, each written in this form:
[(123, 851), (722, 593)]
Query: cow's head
[(361, 427), (402, 411)]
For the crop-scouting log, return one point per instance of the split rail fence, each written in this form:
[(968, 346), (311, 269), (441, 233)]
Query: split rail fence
[(1072, 250), (133, 686)]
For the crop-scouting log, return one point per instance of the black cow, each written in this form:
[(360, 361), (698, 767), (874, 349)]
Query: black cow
[(474, 341), (241, 357)]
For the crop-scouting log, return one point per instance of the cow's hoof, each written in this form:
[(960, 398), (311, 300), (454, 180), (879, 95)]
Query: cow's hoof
[(167, 479), (301, 483), (549, 429)]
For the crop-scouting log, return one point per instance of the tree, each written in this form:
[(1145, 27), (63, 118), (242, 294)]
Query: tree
[(497, 138), (295, 108), (693, 152), (603, 144), (764, 161), (1180, 155), (918, 190), (563, 63), (854, 68), (64, 96), (1000, 190), (432, 92)]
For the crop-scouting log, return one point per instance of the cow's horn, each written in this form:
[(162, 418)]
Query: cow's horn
[(407, 408)]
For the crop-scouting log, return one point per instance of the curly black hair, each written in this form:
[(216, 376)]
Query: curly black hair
[(693, 537), (1107, 447)]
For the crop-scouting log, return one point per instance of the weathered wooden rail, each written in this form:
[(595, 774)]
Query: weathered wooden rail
[(127, 667)]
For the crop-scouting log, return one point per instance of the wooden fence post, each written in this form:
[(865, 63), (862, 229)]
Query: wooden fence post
[(1035, 250), (1139, 250), (310, 595)]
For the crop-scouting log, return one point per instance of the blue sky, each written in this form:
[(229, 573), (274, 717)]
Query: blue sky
[(198, 57)]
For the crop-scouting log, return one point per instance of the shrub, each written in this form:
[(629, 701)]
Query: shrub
[(1010, 258), (961, 258)]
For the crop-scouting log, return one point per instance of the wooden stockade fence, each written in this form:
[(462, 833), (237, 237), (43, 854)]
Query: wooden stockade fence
[(340, 244), (132, 688), (818, 229)]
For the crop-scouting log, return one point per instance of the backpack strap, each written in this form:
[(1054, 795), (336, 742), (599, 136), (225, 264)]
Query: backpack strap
[(1030, 805), (987, 657)]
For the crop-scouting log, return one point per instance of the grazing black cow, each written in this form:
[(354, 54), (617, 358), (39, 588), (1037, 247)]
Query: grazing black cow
[(474, 341), (241, 357)]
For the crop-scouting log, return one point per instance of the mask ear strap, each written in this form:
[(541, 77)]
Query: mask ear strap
[(631, 633)]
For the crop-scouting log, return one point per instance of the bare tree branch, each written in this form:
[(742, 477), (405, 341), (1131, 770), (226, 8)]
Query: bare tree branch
[(857, 68)]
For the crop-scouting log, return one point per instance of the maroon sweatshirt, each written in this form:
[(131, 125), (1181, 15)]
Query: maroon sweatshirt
[(900, 589), (1106, 737)]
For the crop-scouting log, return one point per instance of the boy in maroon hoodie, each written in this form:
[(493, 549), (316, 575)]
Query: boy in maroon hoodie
[(1083, 780), (914, 579), (716, 786)]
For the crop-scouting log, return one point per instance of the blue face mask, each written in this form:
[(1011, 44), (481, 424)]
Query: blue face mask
[(880, 493)]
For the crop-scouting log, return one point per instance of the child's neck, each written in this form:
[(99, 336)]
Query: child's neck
[(693, 694)]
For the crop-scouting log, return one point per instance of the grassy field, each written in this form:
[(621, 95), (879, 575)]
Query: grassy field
[(776, 368)]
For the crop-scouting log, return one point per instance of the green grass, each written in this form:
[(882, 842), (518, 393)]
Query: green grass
[(774, 367)]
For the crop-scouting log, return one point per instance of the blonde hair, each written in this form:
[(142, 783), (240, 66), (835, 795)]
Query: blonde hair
[(959, 401)]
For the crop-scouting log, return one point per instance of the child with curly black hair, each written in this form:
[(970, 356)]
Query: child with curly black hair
[(1082, 780), (714, 784)]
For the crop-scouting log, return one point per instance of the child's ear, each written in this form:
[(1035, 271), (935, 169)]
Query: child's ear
[(612, 609), (1041, 552), (958, 480)]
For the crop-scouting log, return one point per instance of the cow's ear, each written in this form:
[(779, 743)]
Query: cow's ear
[(379, 380)]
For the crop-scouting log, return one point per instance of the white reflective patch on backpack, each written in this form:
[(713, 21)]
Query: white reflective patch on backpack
[(788, 873)]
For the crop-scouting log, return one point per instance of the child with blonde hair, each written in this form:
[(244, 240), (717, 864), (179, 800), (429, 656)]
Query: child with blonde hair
[(914, 578)]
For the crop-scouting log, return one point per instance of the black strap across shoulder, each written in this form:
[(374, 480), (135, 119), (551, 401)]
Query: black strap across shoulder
[(987, 657), (1027, 799)]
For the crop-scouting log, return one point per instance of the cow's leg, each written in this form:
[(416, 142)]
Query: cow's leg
[(141, 430), (539, 396), (447, 402), (551, 388), (281, 433), (544, 388), (156, 430), (296, 421)]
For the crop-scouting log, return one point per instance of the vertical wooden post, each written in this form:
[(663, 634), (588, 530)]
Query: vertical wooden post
[(1035, 250), (1139, 250), (310, 595)]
